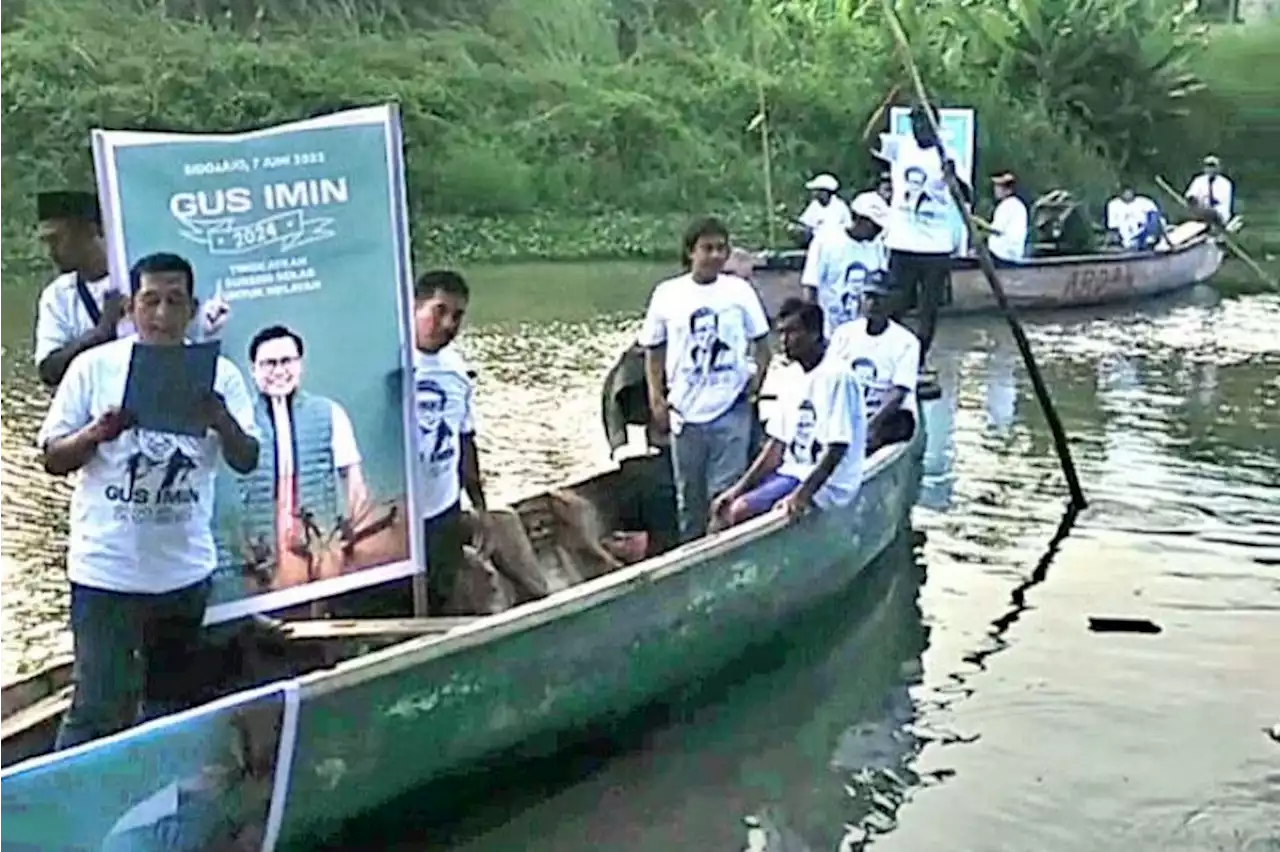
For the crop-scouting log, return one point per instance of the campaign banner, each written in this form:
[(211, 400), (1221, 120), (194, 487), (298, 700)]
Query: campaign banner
[(299, 240), (960, 141), (213, 778)]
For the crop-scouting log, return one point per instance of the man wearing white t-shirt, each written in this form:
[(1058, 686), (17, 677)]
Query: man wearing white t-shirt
[(814, 455), (919, 233), (884, 357), (1009, 224), (140, 549), (700, 333), (447, 452), (81, 309), (313, 459), (1212, 190), (838, 261), (1133, 221), (825, 208)]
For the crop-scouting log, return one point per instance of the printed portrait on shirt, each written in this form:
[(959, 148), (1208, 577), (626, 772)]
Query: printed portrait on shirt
[(915, 195), (846, 308), (158, 488), (805, 448), (864, 370), (437, 436), (708, 351)]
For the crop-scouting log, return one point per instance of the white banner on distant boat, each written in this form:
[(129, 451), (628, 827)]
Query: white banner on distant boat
[(960, 141), (300, 230)]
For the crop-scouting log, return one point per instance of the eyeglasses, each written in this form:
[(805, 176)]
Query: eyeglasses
[(277, 363)]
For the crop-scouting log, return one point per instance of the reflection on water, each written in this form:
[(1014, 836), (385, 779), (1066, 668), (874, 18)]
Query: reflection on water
[(1015, 728)]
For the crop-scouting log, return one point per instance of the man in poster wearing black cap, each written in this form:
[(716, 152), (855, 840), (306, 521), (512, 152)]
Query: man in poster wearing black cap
[(81, 308)]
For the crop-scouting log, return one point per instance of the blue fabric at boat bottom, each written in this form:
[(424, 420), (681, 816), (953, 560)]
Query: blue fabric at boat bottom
[(763, 497)]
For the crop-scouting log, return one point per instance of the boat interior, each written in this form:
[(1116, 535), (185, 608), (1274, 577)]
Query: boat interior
[(540, 545)]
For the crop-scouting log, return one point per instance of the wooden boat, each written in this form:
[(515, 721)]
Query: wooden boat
[(372, 710), (1047, 283)]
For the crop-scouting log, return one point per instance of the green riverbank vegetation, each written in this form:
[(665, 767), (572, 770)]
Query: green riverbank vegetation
[(594, 128)]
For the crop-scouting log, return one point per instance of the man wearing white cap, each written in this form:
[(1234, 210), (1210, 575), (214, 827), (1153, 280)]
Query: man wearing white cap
[(839, 260), (825, 208), (1212, 190)]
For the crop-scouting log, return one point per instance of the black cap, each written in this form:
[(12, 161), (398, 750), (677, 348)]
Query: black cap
[(68, 205)]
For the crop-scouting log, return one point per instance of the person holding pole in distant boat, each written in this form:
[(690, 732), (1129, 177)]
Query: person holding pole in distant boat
[(919, 233), (81, 308), (1212, 190), (1010, 223), (140, 549), (700, 333), (444, 401)]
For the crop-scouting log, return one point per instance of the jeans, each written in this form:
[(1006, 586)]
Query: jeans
[(131, 647), (444, 536), (706, 459)]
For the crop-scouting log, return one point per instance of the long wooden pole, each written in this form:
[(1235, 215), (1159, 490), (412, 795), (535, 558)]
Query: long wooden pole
[(989, 270), (1217, 228), (765, 143)]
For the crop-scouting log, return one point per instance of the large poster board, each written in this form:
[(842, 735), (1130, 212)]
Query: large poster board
[(213, 778), (299, 231), (959, 139)]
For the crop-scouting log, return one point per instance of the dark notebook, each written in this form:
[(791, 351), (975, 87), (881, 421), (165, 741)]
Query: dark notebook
[(166, 384)]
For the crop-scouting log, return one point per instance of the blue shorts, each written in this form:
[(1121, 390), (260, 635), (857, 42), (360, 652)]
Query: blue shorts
[(775, 486)]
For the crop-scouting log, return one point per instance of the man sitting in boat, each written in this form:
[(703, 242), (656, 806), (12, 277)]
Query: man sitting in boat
[(839, 259), (884, 357), (1009, 224), (81, 308), (825, 208), (140, 549), (1212, 191), (700, 333), (1133, 221), (814, 455), (444, 394)]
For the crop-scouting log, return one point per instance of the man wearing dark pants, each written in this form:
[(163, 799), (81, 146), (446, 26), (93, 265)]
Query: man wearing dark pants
[(443, 398), (700, 333), (140, 550), (919, 235)]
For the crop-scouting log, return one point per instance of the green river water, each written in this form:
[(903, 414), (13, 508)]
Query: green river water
[(962, 702)]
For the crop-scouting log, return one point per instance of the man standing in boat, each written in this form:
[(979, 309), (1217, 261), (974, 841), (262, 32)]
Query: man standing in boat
[(838, 260), (444, 400), (918, 234), (884, 357), (704, 403), (1009, 223), (314, 456), (81, 309), (814, 455), (140, 547)]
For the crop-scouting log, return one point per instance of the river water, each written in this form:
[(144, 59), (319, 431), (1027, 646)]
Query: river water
[(962, 702)]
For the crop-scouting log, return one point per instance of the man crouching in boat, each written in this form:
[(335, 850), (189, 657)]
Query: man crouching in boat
[(444, 395), (883, 356), (140, 549), (814, 455)]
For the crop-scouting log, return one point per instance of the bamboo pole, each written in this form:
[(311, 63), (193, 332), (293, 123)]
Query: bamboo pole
[(988, 269), (765, 145), (1217, 229)]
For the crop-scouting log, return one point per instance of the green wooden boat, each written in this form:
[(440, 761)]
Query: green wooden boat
[(363, 712)]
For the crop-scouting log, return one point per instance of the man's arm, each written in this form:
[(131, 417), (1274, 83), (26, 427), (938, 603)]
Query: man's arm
[(762, 354), (470, 467), (232, 418), (757, 328), (70, 434), (832, 455), (53, 359), (655, 375)]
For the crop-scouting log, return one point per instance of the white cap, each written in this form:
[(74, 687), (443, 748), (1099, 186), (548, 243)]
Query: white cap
[(871, 206), (824, 181)]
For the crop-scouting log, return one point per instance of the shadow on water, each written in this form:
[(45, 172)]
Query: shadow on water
[(826, 697)]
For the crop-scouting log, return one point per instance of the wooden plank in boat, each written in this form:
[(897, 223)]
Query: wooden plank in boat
[(359, 628), (25, 691), (35, 714)]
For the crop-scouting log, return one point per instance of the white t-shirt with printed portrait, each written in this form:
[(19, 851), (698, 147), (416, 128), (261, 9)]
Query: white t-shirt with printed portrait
[(1217, 193), (1129, 218), (837, 265), (824, 406), (443, 403), (142, 509), (880, 362), (707, 329), (920, 218), (818, 216)]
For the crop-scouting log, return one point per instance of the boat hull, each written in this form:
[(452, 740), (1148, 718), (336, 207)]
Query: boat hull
[(383, 727), (1048, 283)]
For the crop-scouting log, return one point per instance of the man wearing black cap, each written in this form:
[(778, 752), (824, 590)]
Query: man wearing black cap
[(884, 357), (79, 309)]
